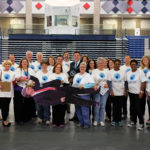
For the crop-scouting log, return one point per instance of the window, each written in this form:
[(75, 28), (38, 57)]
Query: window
[(61, 20)]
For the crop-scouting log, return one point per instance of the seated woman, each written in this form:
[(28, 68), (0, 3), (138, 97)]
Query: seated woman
[(83, 80), (5, 96)]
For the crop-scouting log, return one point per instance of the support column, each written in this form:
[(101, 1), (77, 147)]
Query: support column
[(28, 16), (96, 17)]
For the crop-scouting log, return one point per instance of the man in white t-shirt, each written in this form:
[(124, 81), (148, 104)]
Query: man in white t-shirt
[(66, 60), (125, 68), (29, 56), (12, 59)]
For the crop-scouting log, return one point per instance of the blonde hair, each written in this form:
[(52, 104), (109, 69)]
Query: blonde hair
[(142, 64), (7, 62)]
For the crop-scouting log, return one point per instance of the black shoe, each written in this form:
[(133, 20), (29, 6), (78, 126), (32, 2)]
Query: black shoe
[(8, 125), (124, 117), (73, 119)]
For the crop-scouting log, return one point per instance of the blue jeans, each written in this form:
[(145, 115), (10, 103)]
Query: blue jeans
[(83, 113), (99, 109), (43, 112)]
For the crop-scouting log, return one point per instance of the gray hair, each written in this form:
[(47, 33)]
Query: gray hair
[(39, 53), (83, 63), (29, 52), (100, 59)]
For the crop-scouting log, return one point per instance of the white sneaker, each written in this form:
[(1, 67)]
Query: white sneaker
[(141, 127), (131, 124), (47, 123), (95, 123), (102, 124), (40, 120)]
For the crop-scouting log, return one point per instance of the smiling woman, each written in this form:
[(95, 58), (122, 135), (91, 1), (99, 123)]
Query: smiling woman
[(6, 90)]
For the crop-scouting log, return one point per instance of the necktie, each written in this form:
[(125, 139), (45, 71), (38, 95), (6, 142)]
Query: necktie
[(76, 65)]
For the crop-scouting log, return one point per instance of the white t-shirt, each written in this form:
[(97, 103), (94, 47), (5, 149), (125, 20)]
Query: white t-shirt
[(50, 69), (31, 65), (134, 80), (20, 72), (43, 77), (81, 79), (145, 70), (118, 80), (61, 76), (14, 67), (125, 68), (148, 81), (37, 66), (91, 71), (7, 76), (100, 78), (65, 69), (67, 64)]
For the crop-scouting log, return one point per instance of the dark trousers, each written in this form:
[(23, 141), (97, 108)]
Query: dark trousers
[(143, 104), (108, 107), (124, 106), (59, 114), (23, 108), (148, 104), (4, 103), (117, 105), (136, 108)]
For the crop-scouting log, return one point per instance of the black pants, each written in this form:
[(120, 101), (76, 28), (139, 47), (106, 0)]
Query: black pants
[(108, 107), (143, 104), (23, 108), (4, 103), (136, 108), (59, 114), (117, 105), (124, 106)]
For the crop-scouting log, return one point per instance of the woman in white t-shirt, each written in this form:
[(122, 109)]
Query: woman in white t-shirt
[(91, 66), (24, 108), (59, 110), (135, 85), (116, 81), (145, 67), (43, 111), (100, 76), (83, 80), (51, 63), (5, 96)]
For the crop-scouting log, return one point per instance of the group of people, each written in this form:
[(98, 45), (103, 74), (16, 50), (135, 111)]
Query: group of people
[(113, 85)]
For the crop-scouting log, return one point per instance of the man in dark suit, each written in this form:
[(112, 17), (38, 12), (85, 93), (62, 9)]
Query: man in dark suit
[(74, 69)]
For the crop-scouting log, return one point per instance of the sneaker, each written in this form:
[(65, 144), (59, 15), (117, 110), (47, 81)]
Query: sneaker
[(54, 125), (113, 123), (61, 125), (141, 127), (120, 124), (40, 120), (107, 119), (148, 122), (95, 123), (79, 125), (102, 124), (47, 122), (131, 124)]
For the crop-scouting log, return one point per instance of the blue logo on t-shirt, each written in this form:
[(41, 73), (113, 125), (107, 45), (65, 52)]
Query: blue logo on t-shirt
[(44, 78), (145, 71), (39, 67), (59, 78), (128, 69), (78, 80), (32, 67), (12, 68), (132, 77), (117, 76), (90, 73), (148, 78), (7, 77), (102, 75)]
